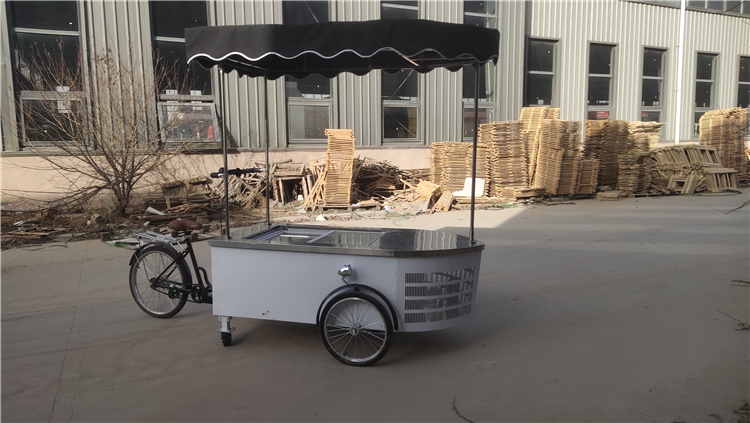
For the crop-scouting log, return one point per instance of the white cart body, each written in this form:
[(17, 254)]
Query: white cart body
[(428, 277)]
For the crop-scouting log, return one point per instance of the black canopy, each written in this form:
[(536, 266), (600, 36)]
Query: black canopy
[(330, 48)]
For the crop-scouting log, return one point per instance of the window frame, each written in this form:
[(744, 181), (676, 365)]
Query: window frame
[(486, 104), (384, 103), (610, 108), (662, 79), (296, 101), (314, 102), (179, 100), (172, 97), (553, 72), (21, 95), (704, 109), (214, 117), (740, 83)]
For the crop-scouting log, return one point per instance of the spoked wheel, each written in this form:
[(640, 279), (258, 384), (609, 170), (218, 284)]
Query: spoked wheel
[(158, 281), (356, 329)]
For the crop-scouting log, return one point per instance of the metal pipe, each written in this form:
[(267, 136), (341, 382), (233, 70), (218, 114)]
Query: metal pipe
[(474, 150), (680, 57), (224, 151), (268, 168)]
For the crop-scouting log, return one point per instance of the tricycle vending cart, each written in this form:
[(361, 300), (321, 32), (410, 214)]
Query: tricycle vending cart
[(358, 285)]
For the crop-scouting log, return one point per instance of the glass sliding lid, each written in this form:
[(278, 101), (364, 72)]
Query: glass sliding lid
[(318, 236)]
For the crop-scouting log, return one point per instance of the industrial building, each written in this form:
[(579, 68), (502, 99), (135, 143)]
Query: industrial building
[(607, 59)]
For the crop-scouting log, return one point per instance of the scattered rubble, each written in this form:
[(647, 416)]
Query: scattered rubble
[(535, 160)]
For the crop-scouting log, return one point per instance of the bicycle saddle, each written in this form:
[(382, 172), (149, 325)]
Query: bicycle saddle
[(183, 225)]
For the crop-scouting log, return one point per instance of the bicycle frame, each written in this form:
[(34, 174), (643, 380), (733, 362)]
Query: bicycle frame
[(199, 293)]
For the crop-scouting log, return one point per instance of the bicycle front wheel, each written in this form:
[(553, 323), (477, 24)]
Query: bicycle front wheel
[(159, 281)]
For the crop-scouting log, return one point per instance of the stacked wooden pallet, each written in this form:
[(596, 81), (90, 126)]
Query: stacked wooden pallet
[(507, 155), (339, 166), (648, 133), (437, 149), (588, 176), (570, 165), (516, 193), (629, 173), (334, 184), (606, 140), (593, 140), (531, 118), (451, 162), (726, 130), (456, 165), (644, 175), (570, 168), (549, 155)]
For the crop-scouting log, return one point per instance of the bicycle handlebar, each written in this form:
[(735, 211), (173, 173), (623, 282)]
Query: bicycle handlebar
[(236, 172)]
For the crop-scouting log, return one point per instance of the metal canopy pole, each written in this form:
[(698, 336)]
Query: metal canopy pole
[(474, 150), (224, 151), (268, 168)]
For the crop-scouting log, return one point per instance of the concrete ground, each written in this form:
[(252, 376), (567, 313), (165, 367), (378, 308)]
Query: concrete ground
[(597, 311)]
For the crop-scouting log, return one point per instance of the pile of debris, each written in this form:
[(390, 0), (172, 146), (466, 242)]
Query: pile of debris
[(33, 228), (188, 199), (538, 155), (375, 180), (689, 169)]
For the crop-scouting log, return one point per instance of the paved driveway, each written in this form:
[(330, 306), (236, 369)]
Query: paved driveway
[(605, 311)]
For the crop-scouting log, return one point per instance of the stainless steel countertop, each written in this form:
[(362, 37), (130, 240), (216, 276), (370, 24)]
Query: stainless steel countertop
[(350, 241)]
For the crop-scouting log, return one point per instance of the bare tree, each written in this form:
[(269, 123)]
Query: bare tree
[(97, 122)]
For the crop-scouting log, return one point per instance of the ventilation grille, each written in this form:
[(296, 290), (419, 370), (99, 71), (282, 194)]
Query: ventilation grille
[(437, 316), (432, 297)]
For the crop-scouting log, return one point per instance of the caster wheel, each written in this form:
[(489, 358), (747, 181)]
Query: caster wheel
[(226, 339)]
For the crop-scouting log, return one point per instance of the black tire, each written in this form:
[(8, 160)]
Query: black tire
[(168, 297), (226, 339), (356, 329)]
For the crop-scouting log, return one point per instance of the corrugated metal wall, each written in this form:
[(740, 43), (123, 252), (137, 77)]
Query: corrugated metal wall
[(125, 26), (631, 27), (441, 101), (358, 100), (509, 72), (245, 97)]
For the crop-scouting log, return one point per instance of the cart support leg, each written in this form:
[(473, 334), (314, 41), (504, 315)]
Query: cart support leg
[(225, 328), (225, 331)]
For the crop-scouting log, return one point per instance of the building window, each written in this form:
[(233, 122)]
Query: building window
[(540, 72), (653, 85), (182, 85), (704, 87), (728, 6), (601, 75), (479, 13), (168, 25), (46, 44), (743, 92), (400, 90), (308, 100)]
